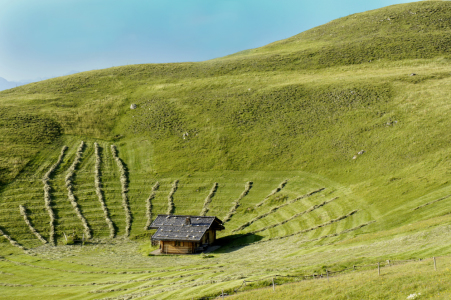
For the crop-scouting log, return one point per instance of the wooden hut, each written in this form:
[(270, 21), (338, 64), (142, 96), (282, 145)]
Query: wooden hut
[(185, 234)]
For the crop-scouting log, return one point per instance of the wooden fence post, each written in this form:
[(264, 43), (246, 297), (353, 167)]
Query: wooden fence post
[(222, 294), (273, 286), (435, 264)]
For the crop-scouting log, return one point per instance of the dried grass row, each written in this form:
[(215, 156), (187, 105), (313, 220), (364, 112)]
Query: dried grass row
[(278, 189), (432, 202), (314, 207), (274, 209), (13, 242), (207, 201), (70, 189), (47, 197), (23, 212), (124, 185), (149, 205), (99, 191), (316, 227), (171, 197), (236, 204)]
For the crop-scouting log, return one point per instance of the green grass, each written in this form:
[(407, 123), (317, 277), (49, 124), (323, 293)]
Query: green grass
[(395, 282), (295, 111)]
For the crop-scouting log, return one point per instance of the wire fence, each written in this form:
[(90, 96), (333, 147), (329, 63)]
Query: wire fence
[(277, 279)]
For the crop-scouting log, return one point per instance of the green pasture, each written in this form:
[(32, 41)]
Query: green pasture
[(343, 131)]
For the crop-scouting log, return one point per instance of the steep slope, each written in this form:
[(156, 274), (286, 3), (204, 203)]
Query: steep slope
[(342, 131)]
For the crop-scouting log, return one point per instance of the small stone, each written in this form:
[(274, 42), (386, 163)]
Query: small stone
[(361, 152), (355, 157), (413, 74), (133, 106)]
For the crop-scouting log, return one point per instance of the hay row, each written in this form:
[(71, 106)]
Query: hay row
[(70, 189), (207, 201), (432, 202), (47, 197), (149, 205), (15, 285), (13, 242), (278, 189), (124, 185), (294, 216), (171, 197), (23, 212), (274, 209), (318, 238), (236, 204), (99, 191)]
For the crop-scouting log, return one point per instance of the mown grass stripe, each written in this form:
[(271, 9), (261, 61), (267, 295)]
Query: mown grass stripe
[(11, 240), (274, 209), (275, 191), (207, 201), (23, 212), (99, 189), (70, 189), (432, 202), (149, 205), (236, 204), (171, 206), (295, 216), (124, 193), (320, 226), (47, 195)]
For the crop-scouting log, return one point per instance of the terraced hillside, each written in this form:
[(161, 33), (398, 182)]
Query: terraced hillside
[(324, 150)]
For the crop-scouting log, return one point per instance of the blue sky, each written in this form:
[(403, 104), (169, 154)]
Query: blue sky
[(48, 38)]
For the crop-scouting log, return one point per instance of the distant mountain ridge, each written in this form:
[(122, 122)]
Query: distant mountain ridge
[(5, 84)]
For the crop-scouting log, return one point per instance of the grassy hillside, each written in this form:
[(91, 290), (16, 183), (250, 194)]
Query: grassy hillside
[(339, 134)]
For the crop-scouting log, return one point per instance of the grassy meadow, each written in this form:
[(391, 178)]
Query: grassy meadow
[(339, 135)]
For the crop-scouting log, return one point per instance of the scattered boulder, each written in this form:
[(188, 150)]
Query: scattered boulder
[(413, 74), (361, 152), (133, 106)]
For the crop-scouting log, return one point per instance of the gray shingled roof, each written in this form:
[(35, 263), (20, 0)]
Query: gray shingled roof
[(174, 228)]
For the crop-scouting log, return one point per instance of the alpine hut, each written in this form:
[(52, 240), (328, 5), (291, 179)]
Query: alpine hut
[(185, 234)]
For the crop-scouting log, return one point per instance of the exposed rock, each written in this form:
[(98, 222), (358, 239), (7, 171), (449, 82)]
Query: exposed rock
[(133, 106)]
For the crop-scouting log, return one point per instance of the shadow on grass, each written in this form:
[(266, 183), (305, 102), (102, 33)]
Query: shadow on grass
[(235, 242)]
